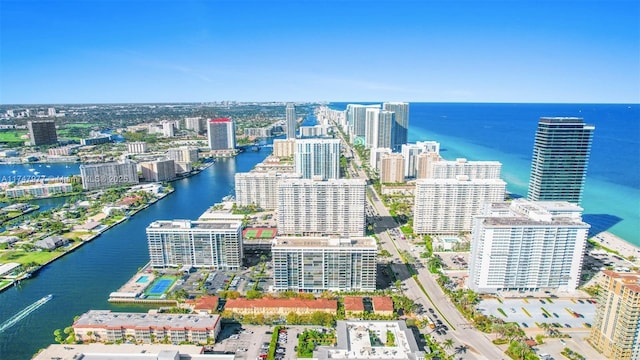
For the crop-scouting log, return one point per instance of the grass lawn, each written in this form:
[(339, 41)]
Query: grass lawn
[(24, 257), (4, 283), (251, 233), (12, 136), (266, 234)]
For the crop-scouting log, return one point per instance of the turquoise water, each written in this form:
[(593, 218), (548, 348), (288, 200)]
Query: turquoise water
[(142, 279), (506, 132)]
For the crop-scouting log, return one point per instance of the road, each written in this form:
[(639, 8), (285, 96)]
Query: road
[(477, 344)]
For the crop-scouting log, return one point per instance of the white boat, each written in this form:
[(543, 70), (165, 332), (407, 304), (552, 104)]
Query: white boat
[(13, 171), (36, 173), (32, 170)]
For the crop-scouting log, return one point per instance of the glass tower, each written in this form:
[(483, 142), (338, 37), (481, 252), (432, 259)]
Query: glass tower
[(560, 158)]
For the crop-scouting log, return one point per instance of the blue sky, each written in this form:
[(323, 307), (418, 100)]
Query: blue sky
[(103, 51)]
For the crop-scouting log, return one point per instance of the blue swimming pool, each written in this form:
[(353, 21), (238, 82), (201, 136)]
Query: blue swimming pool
[(142, 279)]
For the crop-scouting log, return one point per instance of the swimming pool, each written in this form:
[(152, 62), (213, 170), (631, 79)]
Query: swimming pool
[(142, 279), (451, 240)]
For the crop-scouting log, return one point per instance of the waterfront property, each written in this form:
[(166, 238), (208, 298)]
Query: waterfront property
[(319, 263), (107, 326), (128, 352), (97, 176), (280, 307), (160, 287), (208, 244)]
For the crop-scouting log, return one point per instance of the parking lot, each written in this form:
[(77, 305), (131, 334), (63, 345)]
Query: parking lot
[(529, 311)]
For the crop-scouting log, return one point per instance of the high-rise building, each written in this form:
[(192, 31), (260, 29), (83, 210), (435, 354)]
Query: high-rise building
[(184, 154), (392, 169), (525, 245), (424, 164), (260, 188), (206, 244), (222, 134), (445, 169), (197, 124), (95, 176), (616, 327), (317, 264), (401, 124), (284, 147), (317, 157), (379, 127), (560, 157), (137, 147), (447, 206), (42, 132), (314, 207), (356, 118), (158, 170), (375, 157), (292, 121), (168, 129)]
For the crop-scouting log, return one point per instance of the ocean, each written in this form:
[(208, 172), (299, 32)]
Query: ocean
[(506, 132)]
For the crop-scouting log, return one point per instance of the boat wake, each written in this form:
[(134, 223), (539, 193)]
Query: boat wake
[(24, 313)]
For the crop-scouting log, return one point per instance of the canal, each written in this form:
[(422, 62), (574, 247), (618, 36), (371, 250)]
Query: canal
[(82, 280)]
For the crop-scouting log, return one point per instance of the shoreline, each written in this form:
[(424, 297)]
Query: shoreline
[(619, 245)]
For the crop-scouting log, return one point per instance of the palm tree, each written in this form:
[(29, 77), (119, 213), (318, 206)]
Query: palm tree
[(461, 349), (447, 344)]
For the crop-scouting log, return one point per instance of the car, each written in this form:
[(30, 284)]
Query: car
[(431, 310)]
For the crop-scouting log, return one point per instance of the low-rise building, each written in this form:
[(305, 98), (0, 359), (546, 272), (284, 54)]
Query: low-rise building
[(52, 242), (281, 307), (353, 306), (382, 305), (107, 326)]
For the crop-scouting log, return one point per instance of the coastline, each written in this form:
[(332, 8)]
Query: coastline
[(621, 246)]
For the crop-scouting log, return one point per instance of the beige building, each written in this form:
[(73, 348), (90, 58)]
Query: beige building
[(616, 326), (424, 163), (138, 147), (392, 169), (159, 170), (282, 307), (284, 147), (107, 326)]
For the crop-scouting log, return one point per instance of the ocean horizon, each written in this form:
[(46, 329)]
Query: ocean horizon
[(505, 132)]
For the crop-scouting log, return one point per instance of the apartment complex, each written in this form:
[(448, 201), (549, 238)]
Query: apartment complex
[(400, 129), (524, 245), (221, 134), (379, 126), (315, 264), (95, 176), (184, 154), (560, 158), (42, 132), (447, 206), (317, 158), (280, 307), (196, 124), (284, 147), (159, 170), (392, 169), (39, 189), (356, 119), (107, 326), (314, 207), (207, 244), (615, 331), (137, 147), (260, 188), (443, 169)]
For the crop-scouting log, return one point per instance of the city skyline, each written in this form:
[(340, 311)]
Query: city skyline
[(500, 51)]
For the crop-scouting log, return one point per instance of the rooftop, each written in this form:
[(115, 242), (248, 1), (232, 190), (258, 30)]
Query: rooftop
[(220, 120), (126, 352), (282, 303), (324, 242), (353, 303), (188, 224), (108, 319)]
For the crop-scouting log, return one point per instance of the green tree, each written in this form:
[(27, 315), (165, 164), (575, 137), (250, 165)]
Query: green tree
[(447, 344)]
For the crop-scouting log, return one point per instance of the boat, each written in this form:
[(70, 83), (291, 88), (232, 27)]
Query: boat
[(36, 173), (24, 313), (13, 171), (32, 170)]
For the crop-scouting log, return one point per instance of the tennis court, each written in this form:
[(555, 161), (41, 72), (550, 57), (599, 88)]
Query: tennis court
[(160, 286), (266, 233), (253, 233), (259, 233)]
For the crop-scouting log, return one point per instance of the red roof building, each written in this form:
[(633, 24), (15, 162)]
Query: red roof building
[(281, 307), (220, 120), (382, 305), (353, 305), (204, 304)]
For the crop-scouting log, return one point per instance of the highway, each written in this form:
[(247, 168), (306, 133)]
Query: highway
[(476, 344)]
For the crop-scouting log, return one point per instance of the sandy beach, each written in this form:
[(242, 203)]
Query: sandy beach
[(618, 244)]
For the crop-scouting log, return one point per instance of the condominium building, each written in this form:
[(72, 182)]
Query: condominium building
[(206, 244), (560, 158), (222, 134), (379, 127), (39, 189), (410, 152), (317, 158), (316, 264), (42, 132), (137, 147), (313, 207), (159, 170), (356, 118), (401, 125), (260, 188), (184, 154), (107, 326), (95, 176), (291, 120), (375, 157), (196, 124), (447, 206), (424, 164), (392, 169), (168, 129), (443, 169), (615, 330), (284, 147), (525, 245)]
